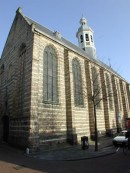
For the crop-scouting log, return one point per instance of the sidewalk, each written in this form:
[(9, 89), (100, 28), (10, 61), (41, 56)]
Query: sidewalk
[(75, 152), (13, 160)]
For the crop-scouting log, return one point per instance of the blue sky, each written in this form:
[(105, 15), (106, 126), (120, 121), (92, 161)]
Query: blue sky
[(110, 20)]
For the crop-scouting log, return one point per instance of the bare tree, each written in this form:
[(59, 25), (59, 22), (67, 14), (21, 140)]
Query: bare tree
[(96, 91), (100, 91)]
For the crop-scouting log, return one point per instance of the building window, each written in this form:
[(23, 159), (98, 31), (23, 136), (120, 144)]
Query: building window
[(91, 38), (21, 77), (50, 77), (125, 96), (10, 72), (96, 88), (2, 69), (81, 38), (119, 95), (78, 93), (22, 49), (87, 37), (109, 92)]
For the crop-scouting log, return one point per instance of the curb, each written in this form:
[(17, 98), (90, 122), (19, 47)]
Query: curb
[(91, 157), (74, 155)]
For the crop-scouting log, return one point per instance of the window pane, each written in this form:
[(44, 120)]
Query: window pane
[(45, 93), (49, 92), (81, 38), (78, 96), (87, 38), (49, 65), (91, 38), (96, 87), (109, 92), (50, 84)]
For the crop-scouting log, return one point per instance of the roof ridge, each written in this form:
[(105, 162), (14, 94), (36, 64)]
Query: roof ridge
[(65, 42)]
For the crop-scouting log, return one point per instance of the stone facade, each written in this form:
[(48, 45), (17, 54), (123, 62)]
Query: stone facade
[(15, 82), (26, 120)]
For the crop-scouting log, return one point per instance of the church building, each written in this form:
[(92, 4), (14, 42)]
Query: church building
[(51, 88)]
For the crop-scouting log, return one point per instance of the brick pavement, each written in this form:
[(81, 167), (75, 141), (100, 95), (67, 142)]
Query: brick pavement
[(73, 153), (76, 153), (16, 161)]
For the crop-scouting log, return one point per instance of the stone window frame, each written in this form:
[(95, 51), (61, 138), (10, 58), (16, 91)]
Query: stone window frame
[(109, 90), (21, 79), (10, 72), (2, 69), (77, 83), (81, 38), (50, 75), (98, 82), (119, 94), (91, 38), (125, 95), (87, 37), (22, 49)]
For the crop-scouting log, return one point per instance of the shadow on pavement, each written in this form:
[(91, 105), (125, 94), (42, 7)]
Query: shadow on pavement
[(13, 160)]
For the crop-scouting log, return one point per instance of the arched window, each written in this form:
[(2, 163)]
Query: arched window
[(96, 87), (125, 95), (109, 92), (21, 77), (119, 95), (78, 93), (50, 77), (81, 38), (2, 69), (22, 49), (10, 72), (87, 37), (91, 38)]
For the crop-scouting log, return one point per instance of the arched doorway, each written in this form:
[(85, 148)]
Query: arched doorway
[(5, 128)]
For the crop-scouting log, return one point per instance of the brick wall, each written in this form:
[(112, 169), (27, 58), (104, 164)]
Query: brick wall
[(32, 122), (12, 87), (48, 121)]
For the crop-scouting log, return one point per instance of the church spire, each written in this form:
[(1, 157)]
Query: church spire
[(85, 38)]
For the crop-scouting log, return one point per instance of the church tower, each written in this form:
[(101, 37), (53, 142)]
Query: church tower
[(86, 39)]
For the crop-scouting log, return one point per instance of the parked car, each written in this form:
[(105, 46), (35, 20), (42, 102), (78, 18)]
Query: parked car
[(120, 139)]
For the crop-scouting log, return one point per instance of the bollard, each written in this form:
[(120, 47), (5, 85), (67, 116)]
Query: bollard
[(27, 150)]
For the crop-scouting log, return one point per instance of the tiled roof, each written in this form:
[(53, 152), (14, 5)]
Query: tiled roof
[(68, 44)]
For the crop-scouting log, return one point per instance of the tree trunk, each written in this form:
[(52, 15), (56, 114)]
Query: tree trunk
[(96, 135)]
